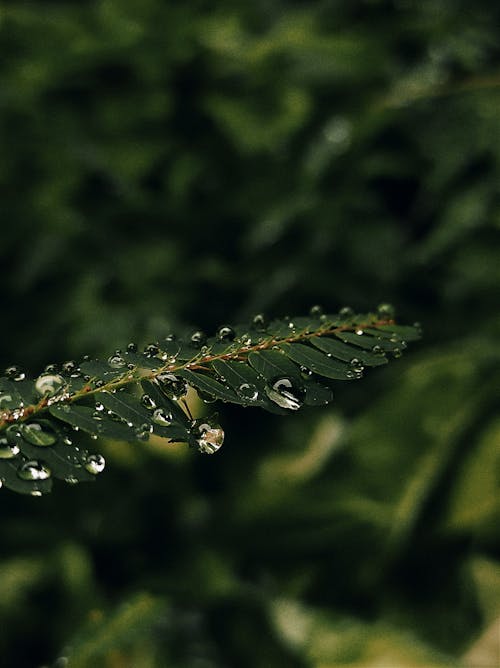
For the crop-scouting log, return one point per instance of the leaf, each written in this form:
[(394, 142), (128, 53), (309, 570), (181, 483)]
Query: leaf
[(278, 366), (317, 362)]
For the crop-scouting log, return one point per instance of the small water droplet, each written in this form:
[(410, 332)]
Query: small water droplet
[(198, 338), (70, 366), (38, 433), (226, 333), (116, 361), (48, 385), (151, 350), (8, 450), (248, 391), (284, 394), (259, 321), (71, 480), (15, 373), (396, 352), (346, 312), (316, 311), (359, 332), (132, 347), (99, 406), (171, 385), (148, 402), (95, 464), (377, 350), (208, 436), (162, 417), (385, 311), (33, 470)]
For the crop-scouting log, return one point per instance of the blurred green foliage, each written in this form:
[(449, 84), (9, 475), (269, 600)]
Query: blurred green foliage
[(175, 164)]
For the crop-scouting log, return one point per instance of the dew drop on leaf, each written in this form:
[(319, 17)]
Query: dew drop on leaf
[(148, 402), (284, 394), (173, 386), (15, 373), (385, 311), (346, 312), (198, 338), (95, 464), (208, 436), (116, 361), (162, 417), (33, 470), (226, 333), (49, 384), (8, 450), (248, 391)]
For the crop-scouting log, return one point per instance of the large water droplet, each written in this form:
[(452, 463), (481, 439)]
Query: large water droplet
[(33, 470), (209, 437), (95, 464), (116, 361), (38, 433), (162, 417), (283, 393), (173, 386), (8, 450), (49, 384), (248, 391)]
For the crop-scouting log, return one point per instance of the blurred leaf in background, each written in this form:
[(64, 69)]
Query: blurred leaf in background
[(189, 164)]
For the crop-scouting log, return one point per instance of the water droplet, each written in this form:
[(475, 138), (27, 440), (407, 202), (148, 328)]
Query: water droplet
[(151, 350), (99, 383), (99, 406), (15, 373), (162, 417), (33, 470), (377, 350), (71, 480), (8, 450), (148, 402), (283, 393), (248, 391), (346, 312), (132, 347), (259, 321), (173, 386), (396, 352), (353, 373), (226, 333), (95, 464), (38, 433), (359, 332), (198, 338), (385, 311), (208, 436), (50, 368), (70, 366), (116, 361), (316, 311), (305, 371), (48, 385)]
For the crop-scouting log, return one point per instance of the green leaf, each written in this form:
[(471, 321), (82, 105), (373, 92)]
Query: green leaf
[(278, 367)]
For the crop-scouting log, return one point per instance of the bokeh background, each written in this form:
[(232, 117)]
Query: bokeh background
[(189, 164)]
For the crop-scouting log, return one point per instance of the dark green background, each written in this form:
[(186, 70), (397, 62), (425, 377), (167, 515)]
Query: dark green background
[(189, 164)]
